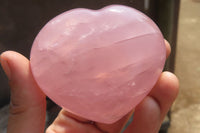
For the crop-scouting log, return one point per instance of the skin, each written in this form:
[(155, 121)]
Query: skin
[(28, 104)]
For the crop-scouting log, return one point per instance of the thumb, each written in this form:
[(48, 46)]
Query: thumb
[(27, 106)]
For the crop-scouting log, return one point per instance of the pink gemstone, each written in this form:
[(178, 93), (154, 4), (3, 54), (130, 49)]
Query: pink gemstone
[(98, 64)]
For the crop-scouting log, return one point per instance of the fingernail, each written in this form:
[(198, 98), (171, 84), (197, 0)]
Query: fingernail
[(5, 67)]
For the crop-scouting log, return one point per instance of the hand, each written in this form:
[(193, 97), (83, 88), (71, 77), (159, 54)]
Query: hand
[(28, 104)]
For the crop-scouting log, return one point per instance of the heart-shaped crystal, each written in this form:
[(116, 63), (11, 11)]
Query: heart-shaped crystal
[(98, 64)]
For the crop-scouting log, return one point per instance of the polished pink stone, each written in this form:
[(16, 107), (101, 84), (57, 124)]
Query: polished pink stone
[(98, 64)]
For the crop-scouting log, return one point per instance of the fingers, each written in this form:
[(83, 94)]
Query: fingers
[(27, 106), (168, 48), (146, 117), (115, 127), (165, 91), (150, 113), (68, 123)]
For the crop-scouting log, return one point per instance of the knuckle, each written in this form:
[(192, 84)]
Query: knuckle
[(16, 109)]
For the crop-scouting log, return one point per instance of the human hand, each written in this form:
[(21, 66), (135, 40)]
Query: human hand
[(28, 104)]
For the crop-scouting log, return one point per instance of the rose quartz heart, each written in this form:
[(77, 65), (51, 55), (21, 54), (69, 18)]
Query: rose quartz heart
[(98, 64)]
